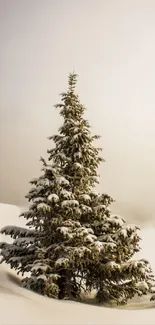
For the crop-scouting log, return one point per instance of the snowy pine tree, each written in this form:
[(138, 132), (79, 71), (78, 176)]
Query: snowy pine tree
[(72, 239), (111, 270)]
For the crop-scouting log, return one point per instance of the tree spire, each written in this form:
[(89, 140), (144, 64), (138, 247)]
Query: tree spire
[(72, 80)]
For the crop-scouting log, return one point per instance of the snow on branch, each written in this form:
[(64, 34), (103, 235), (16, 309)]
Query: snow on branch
[(43, 207), (53, 197), (15, 231), (68, 203), (62, 180)]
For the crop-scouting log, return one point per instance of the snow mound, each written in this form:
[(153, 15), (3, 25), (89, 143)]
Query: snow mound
[(147, 245), (20, 306), (9, 215)]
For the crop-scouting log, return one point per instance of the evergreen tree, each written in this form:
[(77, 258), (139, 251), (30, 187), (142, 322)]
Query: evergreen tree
[(72, 239), (111, 271)]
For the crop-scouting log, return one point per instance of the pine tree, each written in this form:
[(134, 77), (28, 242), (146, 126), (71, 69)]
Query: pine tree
[(72, 239), (111, 270)]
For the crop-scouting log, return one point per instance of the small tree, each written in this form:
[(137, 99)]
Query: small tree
[(72, 239)]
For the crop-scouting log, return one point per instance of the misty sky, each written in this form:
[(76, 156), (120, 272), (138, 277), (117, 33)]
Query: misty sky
[(111, 45)]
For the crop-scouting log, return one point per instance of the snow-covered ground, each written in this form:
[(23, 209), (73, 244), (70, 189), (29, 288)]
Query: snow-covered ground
[(19, 306)]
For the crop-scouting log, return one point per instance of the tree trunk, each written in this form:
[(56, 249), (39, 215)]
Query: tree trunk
[(62, 284)]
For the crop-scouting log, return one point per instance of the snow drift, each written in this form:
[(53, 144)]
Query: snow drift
[(20, 306)]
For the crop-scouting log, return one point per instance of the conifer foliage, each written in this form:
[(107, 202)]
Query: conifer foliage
[(71, 240)]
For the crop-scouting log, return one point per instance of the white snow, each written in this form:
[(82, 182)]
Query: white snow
[(78, 165), (62, 180), (49, 168), (69, 203), (43, 181), (90, 238), (112, 264), (18, 230), (85, 197), (20, 306), (99, 208), (66, 194), (85, 208), (109, 245), (61, 155), (53, 197), (38, 266), (98, 245), (142, 286), (43, 206), (26, 240), (78, 154), (34, 190), (118, 221), (39, 199), (61, 261), (42, 276)]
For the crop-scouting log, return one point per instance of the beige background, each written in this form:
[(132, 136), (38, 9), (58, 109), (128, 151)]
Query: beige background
[(111, 45)]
